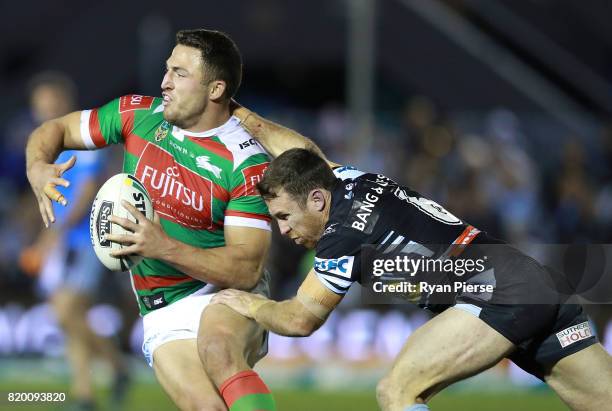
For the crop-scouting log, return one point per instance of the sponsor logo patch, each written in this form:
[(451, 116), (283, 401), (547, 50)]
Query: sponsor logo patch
[(252, 176), (135, 102), (103, 223), (330, 229), (469, 236), (349, 188), (342, 266), (365, 210), (574, 334), (162, 131), (178, 193), (154, 301)]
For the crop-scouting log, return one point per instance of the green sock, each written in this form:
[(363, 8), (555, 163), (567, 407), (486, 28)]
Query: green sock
[(245, 391)]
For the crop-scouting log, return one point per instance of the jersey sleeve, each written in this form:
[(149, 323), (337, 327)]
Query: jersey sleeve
[(347, 173), (246, 208), (112, 122), (337, 261)]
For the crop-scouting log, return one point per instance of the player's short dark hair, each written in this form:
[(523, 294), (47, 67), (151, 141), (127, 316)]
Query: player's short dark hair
[(220, 56), (297, 171)]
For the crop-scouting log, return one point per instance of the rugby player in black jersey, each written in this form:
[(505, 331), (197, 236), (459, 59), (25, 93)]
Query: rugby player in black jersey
[(338, 210)]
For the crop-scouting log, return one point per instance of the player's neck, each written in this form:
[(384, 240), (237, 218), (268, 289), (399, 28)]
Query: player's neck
[(214, 116)]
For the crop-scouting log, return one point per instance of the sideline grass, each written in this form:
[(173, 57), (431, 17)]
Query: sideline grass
[(149, 397)]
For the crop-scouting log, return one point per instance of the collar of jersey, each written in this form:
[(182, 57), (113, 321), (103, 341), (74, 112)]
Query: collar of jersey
[(224, 128)]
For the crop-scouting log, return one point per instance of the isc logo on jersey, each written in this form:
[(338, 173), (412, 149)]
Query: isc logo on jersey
[(342, 266), (248, 143)]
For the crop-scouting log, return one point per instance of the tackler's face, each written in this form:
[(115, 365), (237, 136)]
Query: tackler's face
[(184, 89), (304, 224)]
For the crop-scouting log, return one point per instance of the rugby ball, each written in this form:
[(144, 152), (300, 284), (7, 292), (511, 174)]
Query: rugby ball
[(107, 203)]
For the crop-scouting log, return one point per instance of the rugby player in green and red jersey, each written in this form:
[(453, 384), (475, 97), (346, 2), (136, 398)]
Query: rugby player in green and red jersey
[(211, 230)]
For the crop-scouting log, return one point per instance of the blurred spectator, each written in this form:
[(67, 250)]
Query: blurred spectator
[(70, 272), (574, 212), (516, 185), (51, 95), (603, 201)]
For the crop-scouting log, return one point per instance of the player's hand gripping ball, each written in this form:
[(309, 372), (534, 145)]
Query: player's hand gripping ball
[(107, 203)]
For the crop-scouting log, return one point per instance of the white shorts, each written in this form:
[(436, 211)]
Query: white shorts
[(177, 321), (181, 320)]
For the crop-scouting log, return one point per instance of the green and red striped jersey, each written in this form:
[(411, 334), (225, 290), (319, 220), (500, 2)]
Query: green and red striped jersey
[(198, 182)]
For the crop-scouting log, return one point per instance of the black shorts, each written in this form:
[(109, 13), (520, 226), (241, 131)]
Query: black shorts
[(562, 331), (527, 309)]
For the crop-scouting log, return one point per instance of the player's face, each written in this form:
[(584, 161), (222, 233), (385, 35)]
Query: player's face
[(183, 87), (50, 101), (304, 225)]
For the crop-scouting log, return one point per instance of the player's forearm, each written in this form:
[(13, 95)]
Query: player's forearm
[(52, 137), (45, 144), (286, 318), (231, 266), (275, 138)]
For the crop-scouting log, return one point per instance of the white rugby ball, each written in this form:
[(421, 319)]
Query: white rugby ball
[(108, 202)]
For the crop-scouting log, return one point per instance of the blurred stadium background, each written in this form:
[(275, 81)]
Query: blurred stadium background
[(500, 110)]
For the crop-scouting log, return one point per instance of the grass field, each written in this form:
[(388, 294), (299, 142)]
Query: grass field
[(488, 392), (149, 397)]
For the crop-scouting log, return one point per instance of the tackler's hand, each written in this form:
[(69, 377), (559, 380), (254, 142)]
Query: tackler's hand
[(242, 302)]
